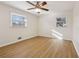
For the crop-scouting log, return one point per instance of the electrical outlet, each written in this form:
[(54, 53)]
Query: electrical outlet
[(19, 38)]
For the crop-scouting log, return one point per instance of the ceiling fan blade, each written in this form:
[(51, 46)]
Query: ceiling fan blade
[(30, 3), (44, 3), (44, 9), (30, 8)]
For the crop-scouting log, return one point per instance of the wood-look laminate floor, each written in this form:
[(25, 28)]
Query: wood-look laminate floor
[(39, 47)]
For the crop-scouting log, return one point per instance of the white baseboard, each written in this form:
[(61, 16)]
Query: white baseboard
[(75, 48), (46, 36), (16, 41)]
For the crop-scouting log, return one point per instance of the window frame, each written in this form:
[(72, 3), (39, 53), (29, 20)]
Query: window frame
[(17, 14)]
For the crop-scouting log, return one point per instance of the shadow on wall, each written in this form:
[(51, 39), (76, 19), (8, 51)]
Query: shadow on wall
[(57, 34)]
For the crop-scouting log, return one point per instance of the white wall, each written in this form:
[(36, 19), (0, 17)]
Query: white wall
[(76, 26), (39, 25), (48, 22), (8, 34)]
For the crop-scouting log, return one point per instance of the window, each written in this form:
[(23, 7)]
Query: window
[(61, 21), (18, 20)]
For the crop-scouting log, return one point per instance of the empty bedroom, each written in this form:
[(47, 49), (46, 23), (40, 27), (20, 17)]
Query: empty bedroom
[(39, 29)]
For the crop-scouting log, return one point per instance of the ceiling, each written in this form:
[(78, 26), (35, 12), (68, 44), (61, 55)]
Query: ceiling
[(52, 6)]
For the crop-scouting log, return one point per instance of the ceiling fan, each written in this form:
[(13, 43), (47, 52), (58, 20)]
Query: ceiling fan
[(38, 5)]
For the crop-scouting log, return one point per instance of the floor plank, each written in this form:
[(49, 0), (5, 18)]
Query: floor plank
[(39, 47)]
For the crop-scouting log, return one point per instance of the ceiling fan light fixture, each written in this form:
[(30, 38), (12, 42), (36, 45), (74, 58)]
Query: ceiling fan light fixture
[(37, 10)]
